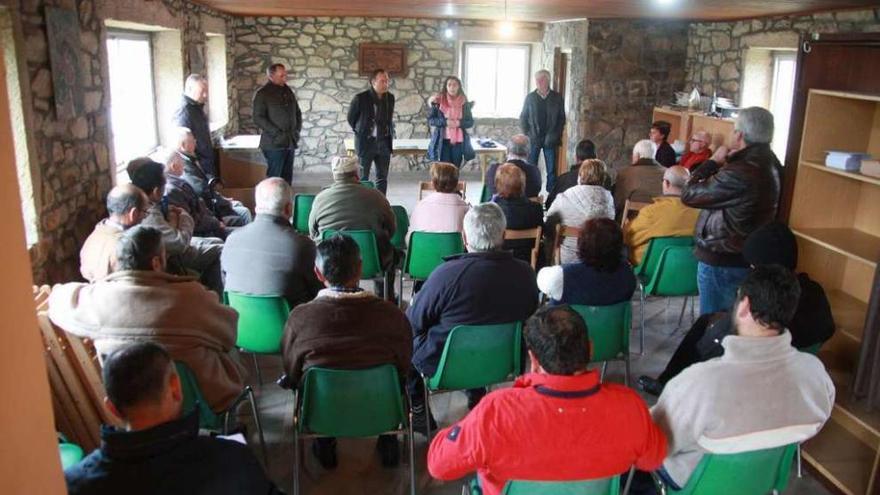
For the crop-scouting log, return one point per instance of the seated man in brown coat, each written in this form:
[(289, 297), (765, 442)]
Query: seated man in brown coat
[(126, 207), (140, 302), (347, 328)]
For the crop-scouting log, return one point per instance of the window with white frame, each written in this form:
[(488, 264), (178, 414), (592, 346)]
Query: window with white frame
[(215, 62), (496, 78), (132, 97), (781, 99)]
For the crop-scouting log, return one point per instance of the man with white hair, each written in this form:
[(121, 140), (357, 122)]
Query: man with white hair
[(543, 119), (641, 181), (698, 150), (179, 193), (487, 285), (518, 154), (665, 217), (191, 114), (267, 256), (737, 193)]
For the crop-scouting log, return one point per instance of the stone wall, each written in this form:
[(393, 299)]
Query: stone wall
[(321, 55), (632, 66), (73, 158), (571, 38), (717, 50)]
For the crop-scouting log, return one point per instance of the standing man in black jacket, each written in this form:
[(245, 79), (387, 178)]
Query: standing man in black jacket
[(371, 118), (543, 119), (277, 114), (191, 114)]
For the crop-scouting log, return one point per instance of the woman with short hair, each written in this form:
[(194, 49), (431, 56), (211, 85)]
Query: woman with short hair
[(520, 212), (442, 210)]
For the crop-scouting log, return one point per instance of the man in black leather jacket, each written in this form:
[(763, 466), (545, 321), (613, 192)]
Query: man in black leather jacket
[(277, 114), (371, 117), (737, 193)]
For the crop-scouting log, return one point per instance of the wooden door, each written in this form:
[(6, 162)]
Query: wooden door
[(560, 84)]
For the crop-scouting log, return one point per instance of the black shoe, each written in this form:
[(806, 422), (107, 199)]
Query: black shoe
[(473, 396), (650, 385), (389, 450), (419, 420), (324, 449)]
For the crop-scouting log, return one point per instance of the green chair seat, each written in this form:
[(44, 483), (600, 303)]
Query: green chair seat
[(351, 403), (651, 258), (371, 267), (425, 253), (261, 321), (71, 454), (756, 472), (398, 240), (603, 486), (368, 183), (608, 328), (302, 208)]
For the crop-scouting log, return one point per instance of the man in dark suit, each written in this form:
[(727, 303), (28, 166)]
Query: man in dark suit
[(191, 114), (371, 118), (543, 119), (277, 114), (268, 257), (585, 150)]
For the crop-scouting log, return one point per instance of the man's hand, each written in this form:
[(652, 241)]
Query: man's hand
[(720, 155)]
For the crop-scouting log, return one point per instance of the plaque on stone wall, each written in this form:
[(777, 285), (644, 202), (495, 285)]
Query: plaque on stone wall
[(62, 26), (388, 56)]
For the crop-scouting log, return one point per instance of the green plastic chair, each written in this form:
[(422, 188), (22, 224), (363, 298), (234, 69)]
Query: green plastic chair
[(756, 472), (371, 266), (608, 327), (668, 269), (475, 356), (485, 197), (208, 419), (812, 349), (398, 240), (71, 454), (426, 252), (368, 183), (351, 403), (261, 321), (603, 486), (302, 207)]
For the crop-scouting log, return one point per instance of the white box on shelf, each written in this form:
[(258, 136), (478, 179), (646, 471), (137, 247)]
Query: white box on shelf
[(850, 161)]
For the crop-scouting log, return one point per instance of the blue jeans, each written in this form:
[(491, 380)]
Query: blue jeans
[(452, 153), (717, 285), (280, 163), (549, 162)]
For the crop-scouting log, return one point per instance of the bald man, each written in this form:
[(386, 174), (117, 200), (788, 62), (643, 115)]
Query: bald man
[(666, 216), (126, 206), (267, 256), (698, 150), (191, 114)]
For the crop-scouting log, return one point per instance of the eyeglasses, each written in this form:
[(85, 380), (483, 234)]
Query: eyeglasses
[(698, 141)]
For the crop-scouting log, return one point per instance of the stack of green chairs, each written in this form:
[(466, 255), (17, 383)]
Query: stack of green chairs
[(608, 328), (261, 321), (401, 217), (371, 266), (302, 207), (475, 356), (756, 472), (668, 269), (351, 403), (426, 252)]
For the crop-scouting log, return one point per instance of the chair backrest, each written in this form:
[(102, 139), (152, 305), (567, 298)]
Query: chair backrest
[(563, 231), (428, 186), (371, 267), (676, 273), (261, 321), (535, 233), (631, 208), (812, 349), (192, 397), (351, 403), (648, 264), (368, 183), (603, 486), (478, 355), (758, 471), (302, 207), (71, 454), (608, 327), (401, 217), (427, 250), (485, 197)]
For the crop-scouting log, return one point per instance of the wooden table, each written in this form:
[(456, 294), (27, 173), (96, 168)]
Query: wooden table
[(414, 149)]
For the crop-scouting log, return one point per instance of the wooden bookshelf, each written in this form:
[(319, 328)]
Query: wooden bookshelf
[(680, 121), (836, 216)]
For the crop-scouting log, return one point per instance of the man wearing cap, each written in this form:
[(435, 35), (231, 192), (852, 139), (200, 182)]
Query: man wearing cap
[(348, 205)]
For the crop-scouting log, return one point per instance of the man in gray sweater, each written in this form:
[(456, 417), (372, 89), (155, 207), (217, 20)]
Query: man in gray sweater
[(762, 393)]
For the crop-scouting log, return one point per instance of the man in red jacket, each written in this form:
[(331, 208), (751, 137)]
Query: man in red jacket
[(556, 423)]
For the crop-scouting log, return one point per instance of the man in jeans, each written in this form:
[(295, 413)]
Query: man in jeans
[(543, 119), (277, 114), (370, 117), (737, 194)]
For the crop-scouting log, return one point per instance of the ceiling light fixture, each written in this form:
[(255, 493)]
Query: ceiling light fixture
[(666, 3), (448, 33), (505, 28)]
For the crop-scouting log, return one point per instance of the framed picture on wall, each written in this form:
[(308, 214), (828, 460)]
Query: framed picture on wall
[(388, 56), (62, 26)]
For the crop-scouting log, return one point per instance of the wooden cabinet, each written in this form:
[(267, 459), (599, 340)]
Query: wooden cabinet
[(679, 119), (836, 217)]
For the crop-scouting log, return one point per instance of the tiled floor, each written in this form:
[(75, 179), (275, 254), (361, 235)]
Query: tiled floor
[(359, 471)]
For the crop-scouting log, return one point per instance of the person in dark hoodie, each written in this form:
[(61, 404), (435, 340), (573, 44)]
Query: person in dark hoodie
[(191, 114)]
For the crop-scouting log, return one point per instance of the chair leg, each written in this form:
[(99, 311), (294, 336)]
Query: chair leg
[(258, 424), (632, 472), (296, 456), (257, 369), (626, 370), (642, 319), (412, 456), (602, 373), (681, 315), (427, 410), (400, 288), (800, 473)]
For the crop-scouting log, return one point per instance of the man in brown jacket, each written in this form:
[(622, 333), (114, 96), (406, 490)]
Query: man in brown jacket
[(347, 328), (139, 302), (126, 206), (640, 181)]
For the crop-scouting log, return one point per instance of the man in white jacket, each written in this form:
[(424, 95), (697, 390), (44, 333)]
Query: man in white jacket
[(761, 384)]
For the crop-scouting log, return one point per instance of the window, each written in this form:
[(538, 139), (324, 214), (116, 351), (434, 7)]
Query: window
[(215, 62), (132, 97), (781, 97), (496, 77)]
